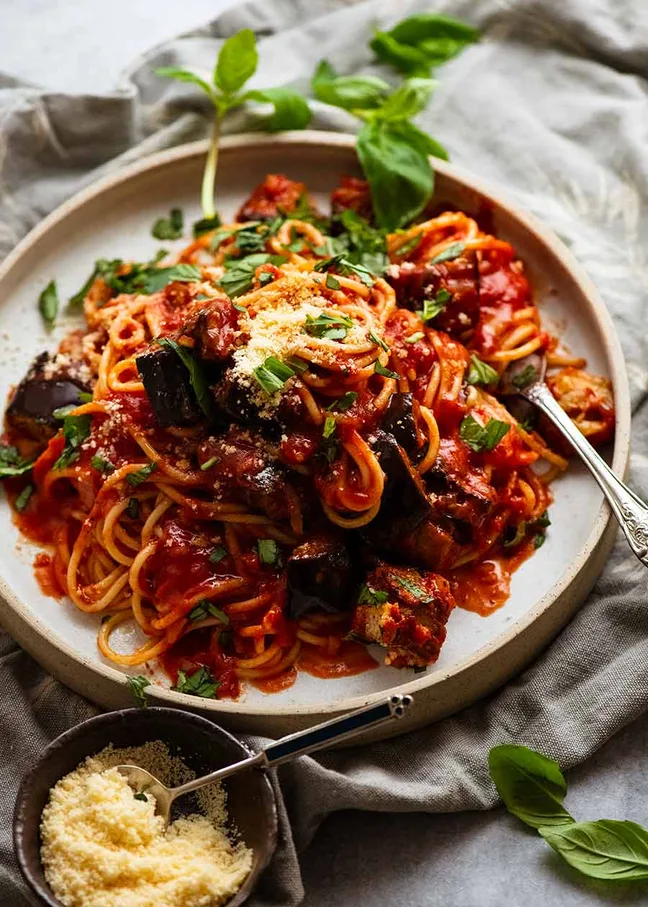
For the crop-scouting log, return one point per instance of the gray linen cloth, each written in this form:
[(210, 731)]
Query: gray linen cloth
[(553, 105)]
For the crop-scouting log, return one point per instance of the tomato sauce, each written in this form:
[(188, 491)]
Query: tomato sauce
[(484, 587), (351, 658), (46, 576)]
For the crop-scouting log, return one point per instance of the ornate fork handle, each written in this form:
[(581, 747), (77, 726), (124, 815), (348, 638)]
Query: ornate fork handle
[(630, 510)]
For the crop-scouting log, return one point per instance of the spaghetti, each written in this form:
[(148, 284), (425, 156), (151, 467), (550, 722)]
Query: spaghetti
[(286, 455)]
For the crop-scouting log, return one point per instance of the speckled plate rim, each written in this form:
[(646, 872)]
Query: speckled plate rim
[(610, 345)]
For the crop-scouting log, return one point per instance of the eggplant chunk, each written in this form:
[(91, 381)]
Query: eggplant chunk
[(431, 545), (168, 386), (42, 391), (319, 578), (400, 421), (406, 611), (404, 503), (235, 402)]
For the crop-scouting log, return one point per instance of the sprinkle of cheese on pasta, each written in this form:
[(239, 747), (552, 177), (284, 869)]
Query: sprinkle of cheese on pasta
[(102, 847)]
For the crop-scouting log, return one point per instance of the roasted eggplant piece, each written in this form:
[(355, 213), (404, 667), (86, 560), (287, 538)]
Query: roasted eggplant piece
[(244, 471), (400, 421), (406, 611), (404, 504), (414, 283), (46, 388), (234, 401), (168, 386), (212, 325), (320, 577), (432, 545)]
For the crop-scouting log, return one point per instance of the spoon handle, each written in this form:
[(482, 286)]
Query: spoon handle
[(335, 731), (630, 510)]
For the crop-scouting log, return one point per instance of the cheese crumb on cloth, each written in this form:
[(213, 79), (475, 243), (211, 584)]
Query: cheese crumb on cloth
[(103, 847)]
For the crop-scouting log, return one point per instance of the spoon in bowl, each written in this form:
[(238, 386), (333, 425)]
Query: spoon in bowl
[(525, 378), (315, 738)]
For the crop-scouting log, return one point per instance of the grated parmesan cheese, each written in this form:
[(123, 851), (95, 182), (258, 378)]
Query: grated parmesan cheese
[(104, 848)]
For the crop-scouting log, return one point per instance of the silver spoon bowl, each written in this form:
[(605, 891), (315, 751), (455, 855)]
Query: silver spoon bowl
[(525, 378)]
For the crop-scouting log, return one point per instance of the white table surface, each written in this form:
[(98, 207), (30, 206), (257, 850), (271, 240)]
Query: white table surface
[(462, 860)]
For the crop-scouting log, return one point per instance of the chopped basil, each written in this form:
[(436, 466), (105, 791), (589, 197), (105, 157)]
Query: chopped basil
[(140, 795), (524, 378), (378, 341), (369, 596), (297, 364), (200, 683), (269, 552), (204, 609), (344, 266), (23, 498), (197, 377), (410, 245), (11, 463), (413, 588), (528, 424), (208, 464), (454, 250), (85, 397), (360, 243), (253, 237), (170, 227), (48, 303), (539, 540), (433, 307), (329, 427), (328, 326), (380, 369), (342, 404), (332, 282), (205, 225), (239, 272), (482, 438), (273, 374), (62, 411), (101, 464), (413, 338), (515, 535), (137, 685), (133, 508), (75, 430), (158, 278), (136, 478), (480, 372), (217, 555), (543, 520)]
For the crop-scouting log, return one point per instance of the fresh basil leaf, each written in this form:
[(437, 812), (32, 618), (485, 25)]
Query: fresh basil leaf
[(524, 378), (48, 303), (137, 685), (422, 141), (454, 250), (481, 373), (422, 42), (158, 278), (141, 475), (328, 325), (514, 535), (413, 588), (170, 227), (399, 174), (433, 307), (75, 430), (101, 464), (531, 785), (197, 377), (539, 540), (380, 369), (348, 92), (200, 683), (62, 411), (329, 427), (273, 374), (343, 403), (543, 520), (332, 283), (239, 274), (23, 498), (217, 555), (205, 225), (606, 849), (204, 609), (11, 463), (416, 336), (410, 98), (140, 795), (237, 61), (291, 110), (133, 508), (369, 596), (378, 341), (361, 243), (269, 553), (482, 438), (184, 75)]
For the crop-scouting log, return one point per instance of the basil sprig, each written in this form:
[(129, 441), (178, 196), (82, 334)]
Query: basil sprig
[(533, 789), (197, 377), (237, 62), (420, 43)]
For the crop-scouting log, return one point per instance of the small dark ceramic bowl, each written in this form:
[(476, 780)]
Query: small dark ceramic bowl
[(202, 745)]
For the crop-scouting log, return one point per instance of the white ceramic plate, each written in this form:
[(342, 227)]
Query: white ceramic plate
[(113, 219)]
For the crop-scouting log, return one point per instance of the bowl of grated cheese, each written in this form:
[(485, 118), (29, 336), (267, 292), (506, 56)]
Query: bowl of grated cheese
[(83, 839)]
